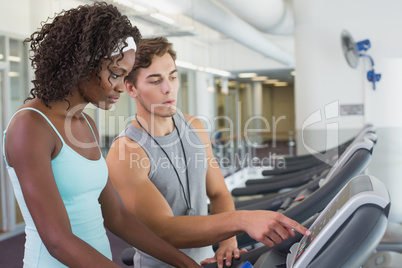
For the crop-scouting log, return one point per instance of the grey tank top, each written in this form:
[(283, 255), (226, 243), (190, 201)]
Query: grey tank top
[(164, 177)]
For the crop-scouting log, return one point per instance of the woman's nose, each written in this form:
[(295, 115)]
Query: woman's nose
[(120, 87)]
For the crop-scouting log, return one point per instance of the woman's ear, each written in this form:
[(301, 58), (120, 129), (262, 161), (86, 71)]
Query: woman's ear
[(131, 89)]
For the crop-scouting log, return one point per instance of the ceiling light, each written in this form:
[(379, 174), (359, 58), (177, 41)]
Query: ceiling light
[(270, 81), (139, 8), (130, 4), (1, 56), (281, 84), (186, 65), (14, 58), (13, 74), (247, 75), (162, 18), (191, 66), (259, 78), (217, 72), (293, 73)]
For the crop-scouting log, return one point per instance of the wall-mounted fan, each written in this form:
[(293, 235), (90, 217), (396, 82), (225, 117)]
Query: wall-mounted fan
[(353, 51)]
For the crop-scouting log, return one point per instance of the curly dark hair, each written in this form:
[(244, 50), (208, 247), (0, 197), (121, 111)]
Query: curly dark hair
[(65, 51), (147, 49)]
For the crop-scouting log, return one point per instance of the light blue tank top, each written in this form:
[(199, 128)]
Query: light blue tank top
[(80, 182)]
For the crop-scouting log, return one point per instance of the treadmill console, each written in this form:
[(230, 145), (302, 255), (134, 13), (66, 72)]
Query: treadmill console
[(359, 191)]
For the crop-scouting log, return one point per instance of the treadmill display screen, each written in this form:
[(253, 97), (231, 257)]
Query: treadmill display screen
[(322, 221)]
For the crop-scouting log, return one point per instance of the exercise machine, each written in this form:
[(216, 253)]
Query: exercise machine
[(344, 234), (304, 202)]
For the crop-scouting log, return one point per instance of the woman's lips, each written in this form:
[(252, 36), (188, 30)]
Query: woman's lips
[(114, 100)]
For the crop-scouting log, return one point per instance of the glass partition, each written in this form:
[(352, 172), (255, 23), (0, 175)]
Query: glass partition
[(2, 49), (13, 91), (244, 139), (182, 98), (17, 73), (226, 145), (2, 164)]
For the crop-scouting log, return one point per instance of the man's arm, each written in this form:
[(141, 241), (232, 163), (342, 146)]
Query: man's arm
[(219, 196), (129, 169)]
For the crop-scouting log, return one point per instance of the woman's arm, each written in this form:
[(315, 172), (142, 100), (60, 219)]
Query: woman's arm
[(125, 225)]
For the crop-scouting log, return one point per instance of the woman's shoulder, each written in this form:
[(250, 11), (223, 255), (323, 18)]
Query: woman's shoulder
[(29, 115), (28, 132)]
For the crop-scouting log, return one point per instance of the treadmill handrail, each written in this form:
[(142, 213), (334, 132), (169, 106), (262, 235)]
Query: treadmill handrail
[(361, 143)]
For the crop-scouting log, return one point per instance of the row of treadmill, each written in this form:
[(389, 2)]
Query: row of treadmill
[(345, 209)]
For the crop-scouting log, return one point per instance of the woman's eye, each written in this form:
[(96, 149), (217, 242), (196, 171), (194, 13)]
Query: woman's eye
[(114, 76)]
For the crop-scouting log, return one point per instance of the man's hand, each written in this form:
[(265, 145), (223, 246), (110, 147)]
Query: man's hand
[(270, 227), (227, 250)]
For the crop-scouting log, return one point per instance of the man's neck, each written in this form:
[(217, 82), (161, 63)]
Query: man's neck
[(155, 125)]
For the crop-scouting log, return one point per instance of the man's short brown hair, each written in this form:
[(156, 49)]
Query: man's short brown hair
[(147, 49)]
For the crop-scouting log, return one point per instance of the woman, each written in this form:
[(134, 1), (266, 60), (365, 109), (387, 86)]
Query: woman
[(51, 147)]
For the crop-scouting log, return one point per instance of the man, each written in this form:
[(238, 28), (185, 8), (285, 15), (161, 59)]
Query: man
[(163, 167)]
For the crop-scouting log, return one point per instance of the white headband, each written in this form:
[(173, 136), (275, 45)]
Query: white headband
[(130, 45)]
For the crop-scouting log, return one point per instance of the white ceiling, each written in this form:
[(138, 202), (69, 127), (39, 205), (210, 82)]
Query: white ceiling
[(263, 26)]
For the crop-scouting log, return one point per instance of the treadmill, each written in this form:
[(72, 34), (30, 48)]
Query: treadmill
[(304, 202), (344, 234)]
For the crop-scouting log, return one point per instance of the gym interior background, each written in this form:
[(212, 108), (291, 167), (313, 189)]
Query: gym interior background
[(301, 97)]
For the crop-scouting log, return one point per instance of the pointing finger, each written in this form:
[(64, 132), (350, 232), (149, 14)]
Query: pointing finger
[(289, 223)]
